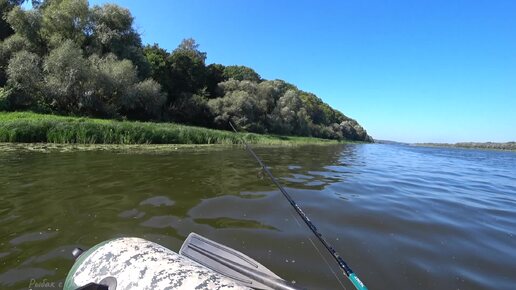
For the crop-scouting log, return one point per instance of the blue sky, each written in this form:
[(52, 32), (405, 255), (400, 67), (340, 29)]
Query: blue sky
[(414, 71)]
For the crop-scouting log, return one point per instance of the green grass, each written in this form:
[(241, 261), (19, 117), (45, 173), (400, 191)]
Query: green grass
[(30, 127)]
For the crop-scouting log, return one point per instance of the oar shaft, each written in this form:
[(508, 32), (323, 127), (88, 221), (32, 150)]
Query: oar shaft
[(342, 264)]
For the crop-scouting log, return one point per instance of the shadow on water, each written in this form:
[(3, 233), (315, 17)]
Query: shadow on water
[(402, 217)]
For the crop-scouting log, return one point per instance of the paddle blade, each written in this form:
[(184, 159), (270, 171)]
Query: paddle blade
[(231, 263)]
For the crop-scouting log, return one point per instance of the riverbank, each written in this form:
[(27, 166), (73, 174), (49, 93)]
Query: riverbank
[(508, 146), (27, 127)]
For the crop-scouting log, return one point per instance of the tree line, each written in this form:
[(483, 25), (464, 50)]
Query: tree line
[(66, 57), (475, 145)]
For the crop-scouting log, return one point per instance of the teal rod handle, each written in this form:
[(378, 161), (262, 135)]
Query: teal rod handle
[(356, 282)]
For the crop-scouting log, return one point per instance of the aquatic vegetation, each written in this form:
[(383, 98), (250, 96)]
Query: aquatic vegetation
[(31, 128)]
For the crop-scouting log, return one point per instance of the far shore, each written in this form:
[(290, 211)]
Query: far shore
[(505, 146)]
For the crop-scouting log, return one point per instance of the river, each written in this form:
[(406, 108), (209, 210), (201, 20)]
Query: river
[(403, 217)]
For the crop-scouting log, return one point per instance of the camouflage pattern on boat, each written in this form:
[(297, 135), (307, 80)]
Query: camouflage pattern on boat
[(134, 263)]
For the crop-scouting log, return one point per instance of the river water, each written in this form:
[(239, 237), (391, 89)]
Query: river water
[(402, 217)]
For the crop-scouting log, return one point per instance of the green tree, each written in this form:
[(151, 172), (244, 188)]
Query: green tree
[(240, 104), (187, 69), (8, 48), (181, 74), (160, 68), (350, 129), (193, 109), (65, 20), (112, 32), (6, 32), (25, 79), (214, 76), (190, 47), (5, 7), (27, 24), (284, 117), (5, 28), (116, 90), (241, 73), (148, 101), (110, 82), (269, 92), (66, 77)]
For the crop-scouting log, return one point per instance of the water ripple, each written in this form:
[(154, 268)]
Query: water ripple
[(403, 217)]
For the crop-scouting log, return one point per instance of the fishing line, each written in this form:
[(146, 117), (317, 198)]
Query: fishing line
[(342, 264), (327, 263), (296, 218)]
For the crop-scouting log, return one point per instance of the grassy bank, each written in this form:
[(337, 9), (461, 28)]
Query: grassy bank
[(30, 127)]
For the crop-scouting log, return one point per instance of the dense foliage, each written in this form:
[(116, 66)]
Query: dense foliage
[(66, 57)]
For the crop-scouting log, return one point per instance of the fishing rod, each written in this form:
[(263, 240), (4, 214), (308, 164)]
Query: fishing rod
[(342, 264)]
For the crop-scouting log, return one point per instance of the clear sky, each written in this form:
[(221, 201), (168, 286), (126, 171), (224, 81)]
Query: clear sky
[(414, 71)]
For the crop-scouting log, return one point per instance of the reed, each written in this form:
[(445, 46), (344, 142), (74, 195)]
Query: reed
[(28, 127)]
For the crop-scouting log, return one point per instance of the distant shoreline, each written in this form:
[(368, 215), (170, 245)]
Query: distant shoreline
[(505, 146)]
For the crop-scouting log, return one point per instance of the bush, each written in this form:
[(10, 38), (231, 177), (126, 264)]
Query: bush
[(66, 77), (148, 99), (25, 79)]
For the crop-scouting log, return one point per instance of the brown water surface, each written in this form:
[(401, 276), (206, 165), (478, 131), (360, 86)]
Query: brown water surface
[(402, 217)]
